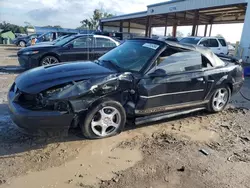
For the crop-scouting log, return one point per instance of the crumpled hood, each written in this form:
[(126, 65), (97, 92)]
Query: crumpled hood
[(42, 78)]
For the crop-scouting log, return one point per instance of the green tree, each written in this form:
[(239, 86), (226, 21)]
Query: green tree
[(12, 27), (219, 35), (93, 22), (179, 34)]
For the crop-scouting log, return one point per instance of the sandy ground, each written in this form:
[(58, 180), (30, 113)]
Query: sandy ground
[(197, 150)]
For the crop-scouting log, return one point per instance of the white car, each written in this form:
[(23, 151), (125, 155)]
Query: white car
[(217, 44)]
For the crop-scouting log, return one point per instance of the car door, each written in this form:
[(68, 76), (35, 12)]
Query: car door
[(224, 46), (78, 49), (177, 82), (102, 46)]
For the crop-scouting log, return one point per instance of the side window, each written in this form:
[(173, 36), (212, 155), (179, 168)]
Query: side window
[(223, 42), (83, 42), (48, 37), (205, 62), (104, 43), (181, 62), (213, 43), (205, 43)]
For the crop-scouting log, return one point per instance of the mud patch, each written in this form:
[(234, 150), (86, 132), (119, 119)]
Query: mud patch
[(98, 161)]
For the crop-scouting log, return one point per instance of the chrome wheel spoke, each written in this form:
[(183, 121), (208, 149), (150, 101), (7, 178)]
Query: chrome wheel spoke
[(49, 61), (103, 132), (114, 124), (96, 123), (102, 113), (220, 99)]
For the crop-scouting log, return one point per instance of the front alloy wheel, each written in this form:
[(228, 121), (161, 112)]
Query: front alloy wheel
[(104, 120), (49, 60)]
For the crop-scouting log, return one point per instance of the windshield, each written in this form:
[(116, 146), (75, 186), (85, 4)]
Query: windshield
[(60, 38), (64, 40), (190, 40), (131, 55)]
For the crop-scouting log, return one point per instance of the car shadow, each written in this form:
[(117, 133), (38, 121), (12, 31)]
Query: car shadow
[(13, 48), (11, 69), (12, 55), (14, 141)]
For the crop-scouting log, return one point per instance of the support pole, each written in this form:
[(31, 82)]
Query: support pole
[(174, 30), (166, 26), (210, 32), (196, 14), (129, 26), (197, 29), (205, 32), (121, 27), (148, 27)]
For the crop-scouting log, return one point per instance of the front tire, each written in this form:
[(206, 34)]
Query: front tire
[(22, 43), (48, 60), (219, 99), (106, 119)]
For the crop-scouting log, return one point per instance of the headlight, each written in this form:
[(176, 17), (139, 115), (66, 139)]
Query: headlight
[(30, 52), (56, 90)]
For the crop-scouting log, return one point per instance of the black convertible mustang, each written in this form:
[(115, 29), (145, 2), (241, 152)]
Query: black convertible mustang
[(140, 81)]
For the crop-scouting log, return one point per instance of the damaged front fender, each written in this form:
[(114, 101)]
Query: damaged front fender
[(82, 94)]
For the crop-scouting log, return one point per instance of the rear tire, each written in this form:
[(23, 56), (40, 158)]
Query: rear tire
[(219, 99), (105, 119)]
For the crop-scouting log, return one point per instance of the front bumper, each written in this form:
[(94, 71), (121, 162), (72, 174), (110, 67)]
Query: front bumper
[(38, 122), (27, 61)]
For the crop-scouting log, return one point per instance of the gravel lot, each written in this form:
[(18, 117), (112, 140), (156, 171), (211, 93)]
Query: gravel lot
[(198, 150)]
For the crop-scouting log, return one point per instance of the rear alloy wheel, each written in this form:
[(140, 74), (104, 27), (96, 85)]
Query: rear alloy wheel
[(22, 43), (220, 99), (49, 60), (105, 120)]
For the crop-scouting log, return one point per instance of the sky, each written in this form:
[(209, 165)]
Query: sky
[(69, 13)]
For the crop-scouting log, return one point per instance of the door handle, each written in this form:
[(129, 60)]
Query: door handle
[(200, 79)]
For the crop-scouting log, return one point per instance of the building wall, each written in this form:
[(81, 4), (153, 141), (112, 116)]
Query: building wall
[(190, 5), (125, 30)]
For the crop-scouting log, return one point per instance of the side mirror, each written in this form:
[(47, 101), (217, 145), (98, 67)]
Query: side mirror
[(202, 45), (157, 73), (70, 46)]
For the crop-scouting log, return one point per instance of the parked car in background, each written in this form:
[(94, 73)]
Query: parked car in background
[(51, 36), (54, 41), (140, 81), (217, 44), (72, 48), (23, 41), (173, 39)]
